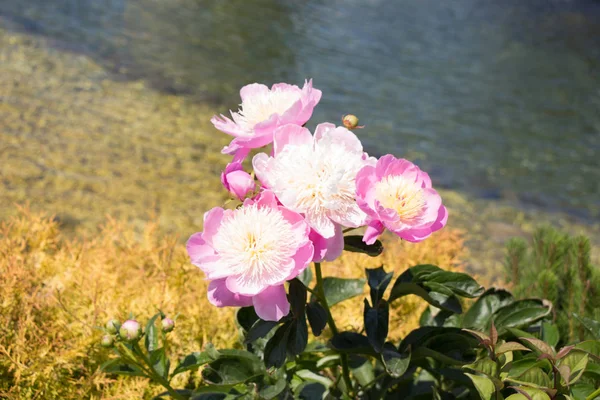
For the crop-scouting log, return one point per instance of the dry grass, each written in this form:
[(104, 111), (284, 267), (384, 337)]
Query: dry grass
[(56, 292)]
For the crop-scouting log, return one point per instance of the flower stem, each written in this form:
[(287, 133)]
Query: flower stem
[(331, 323), (154, 376)]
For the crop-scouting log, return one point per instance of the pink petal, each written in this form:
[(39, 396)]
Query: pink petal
[(240, 183), (290, 134), (292, 114), (302, 258), (341, 136), (212, 222), (272, 303), (442, 219), (220, 296), (352, 217), (252, 90), (261, 166), (267, 199), (226, 125), (321, 223), (374, 229), (322, 129)]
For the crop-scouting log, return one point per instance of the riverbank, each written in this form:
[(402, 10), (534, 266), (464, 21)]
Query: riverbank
[(81, 144)]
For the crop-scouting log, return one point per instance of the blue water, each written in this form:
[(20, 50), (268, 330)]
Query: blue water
[(499, 98)]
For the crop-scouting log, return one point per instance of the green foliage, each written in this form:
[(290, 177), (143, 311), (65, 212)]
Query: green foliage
[(557, 267)]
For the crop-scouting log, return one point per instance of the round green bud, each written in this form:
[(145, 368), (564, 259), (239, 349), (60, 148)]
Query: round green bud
[(113, 326), (167, 324), (107, 341), (130, 330), (350, 121)]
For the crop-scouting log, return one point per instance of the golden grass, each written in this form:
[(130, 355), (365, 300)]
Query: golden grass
[(56, 293)]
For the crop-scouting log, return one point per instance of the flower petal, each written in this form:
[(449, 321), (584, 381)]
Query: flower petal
[(220, 296), (271, 304), (290, 134)]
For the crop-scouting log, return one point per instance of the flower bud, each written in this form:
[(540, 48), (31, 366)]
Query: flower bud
[(237, 181), (167, 324), (113, 326), (130, 330), (350, 121), (107, 341)]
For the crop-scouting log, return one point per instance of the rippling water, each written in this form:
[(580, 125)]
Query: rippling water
[(497, 98)]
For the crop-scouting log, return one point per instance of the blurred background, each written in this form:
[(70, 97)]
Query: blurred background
[(105, 103)]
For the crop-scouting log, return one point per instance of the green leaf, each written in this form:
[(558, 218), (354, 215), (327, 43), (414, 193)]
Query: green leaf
[(378, 281), (272, 391), (259, 330), (519, 367), (120, 367), (310, 376), (439, 300), (577, 362), (246, 317), (376, 323), (317, 317), (534, 377), (485, 387), (362, 369), (395, 363), (355, 244), (433, 316), (159, 362), (528, 394), (233, 367), (191, 361), (352, 342), (460, 284), (510, 346), (592, 347), (592, 326), (449, 345), (338, 289), (521, 313), (479, 315), (539, 345), (550, 334), (276, 348), (306, 276), (152, 332)]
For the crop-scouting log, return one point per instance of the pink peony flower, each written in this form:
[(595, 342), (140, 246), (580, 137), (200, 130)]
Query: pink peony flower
[(237, 181), (262, 111), (398, 196), (250, 252), (315, 176)]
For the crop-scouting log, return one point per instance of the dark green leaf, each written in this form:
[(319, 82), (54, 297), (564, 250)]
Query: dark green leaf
[(395, 363), (120, 367), (433, 316), (439, 300), (485, 386), (276, 348), (298, 336), (151, 333), (550, 334), (338, 290), (297, 298), (362, 369), (246, 317), (460, 284), (450, 345), (376, 324), (378, 281), (191, 361), (160, 362), (260, 329), (479, 315), (352, 342), (355, 244), (521, 313), (317, 317)]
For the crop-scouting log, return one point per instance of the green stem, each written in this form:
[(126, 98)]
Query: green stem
[(156, 377), (331, 323), (593, 395)]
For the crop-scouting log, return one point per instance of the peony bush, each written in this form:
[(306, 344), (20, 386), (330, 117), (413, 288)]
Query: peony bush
[(305, 196)]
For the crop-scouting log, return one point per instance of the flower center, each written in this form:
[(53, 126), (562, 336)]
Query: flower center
[(318, 179), (261, 106), (401, 195), (255, 240)]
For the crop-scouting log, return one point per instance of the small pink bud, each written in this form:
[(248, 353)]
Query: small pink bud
[(130, 330), (237, 181), (107, 341), (113, 326), (351, 122), (167, 324)]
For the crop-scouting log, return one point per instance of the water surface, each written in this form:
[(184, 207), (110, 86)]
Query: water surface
[(497, 98)]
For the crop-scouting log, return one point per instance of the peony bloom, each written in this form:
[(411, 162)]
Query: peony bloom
[(250, 252), (237, 181), (262, 111), (315, 176), (398, 196)]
